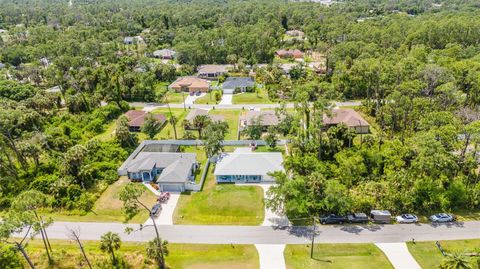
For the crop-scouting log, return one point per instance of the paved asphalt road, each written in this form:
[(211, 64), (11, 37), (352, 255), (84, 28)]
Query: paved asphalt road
[(271, 235), (238, 106)]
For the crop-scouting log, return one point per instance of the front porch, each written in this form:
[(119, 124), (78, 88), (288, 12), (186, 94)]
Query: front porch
[(238, 178)]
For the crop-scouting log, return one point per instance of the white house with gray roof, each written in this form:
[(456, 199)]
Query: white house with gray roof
[(173, 171), (237, 84), (244, 166)]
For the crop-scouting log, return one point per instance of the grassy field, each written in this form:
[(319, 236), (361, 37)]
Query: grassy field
[(231, 117), (208, 99), (358, 256), (67, 255), (108, 207), (175, 97), (224, 204), (251, 98), (108, 133), (428, 255), (167, 131)]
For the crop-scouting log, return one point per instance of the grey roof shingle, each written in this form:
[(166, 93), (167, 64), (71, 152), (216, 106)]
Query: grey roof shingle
[(238, 82), (147, 160), (254, 163)]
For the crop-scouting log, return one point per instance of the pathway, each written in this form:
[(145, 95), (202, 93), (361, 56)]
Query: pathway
[(226, 99), (190, 100), (166, 215), (399, 255), (271, 256)]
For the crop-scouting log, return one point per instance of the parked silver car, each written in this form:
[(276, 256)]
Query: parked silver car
[(407, 218), (442, 217)]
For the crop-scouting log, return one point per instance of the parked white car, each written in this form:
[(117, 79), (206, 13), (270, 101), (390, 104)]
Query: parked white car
[(442, 217), (407, 218)]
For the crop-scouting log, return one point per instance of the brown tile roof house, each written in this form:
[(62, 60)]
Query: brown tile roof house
[(349, 117), (267, 118), (295, 53), (213, 71), (136, 118), (190, 84), (197, 112)]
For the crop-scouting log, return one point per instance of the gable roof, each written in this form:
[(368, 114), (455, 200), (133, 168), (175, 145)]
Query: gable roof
[(295, 53), (238, 82), (190, 82), (147, 160), (164, 53), (267, 117), (245, 163), (214, 68), (348, 116), (136, 118), (178, 171)]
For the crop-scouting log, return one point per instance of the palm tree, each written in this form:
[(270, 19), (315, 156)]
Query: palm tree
[(173, 122), (157, 252), (455, 261), (199, 123), (110, 242)]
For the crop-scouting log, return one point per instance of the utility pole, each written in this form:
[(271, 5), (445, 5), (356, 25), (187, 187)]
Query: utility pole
[(313, 237)]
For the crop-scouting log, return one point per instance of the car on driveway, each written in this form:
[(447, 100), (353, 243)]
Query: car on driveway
[(332, 219), (407, 218), (442, 217), (357, 218), (156, 209)]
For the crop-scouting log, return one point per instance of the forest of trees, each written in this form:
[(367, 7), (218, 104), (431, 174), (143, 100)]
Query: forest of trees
[(414, 64)]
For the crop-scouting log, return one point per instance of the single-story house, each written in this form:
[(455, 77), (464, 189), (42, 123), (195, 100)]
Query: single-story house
[(166, 54), (136, 118), (198, 112), (190, 84), (295, 33), (243, 166), (129, 40), (213, 71), (237, 84), (172, 171), (267, 118), (295, 53), (349, 117)]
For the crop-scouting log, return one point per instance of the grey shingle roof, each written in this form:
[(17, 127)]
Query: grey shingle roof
[(254, 163), (237, 82), (146, 160), (178, 171)]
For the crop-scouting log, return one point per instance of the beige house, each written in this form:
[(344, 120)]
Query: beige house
[(200, 112), (267, 118), (213, 71), (349, 117), (190, 84)]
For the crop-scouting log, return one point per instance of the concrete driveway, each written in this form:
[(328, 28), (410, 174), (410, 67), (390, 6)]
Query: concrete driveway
[(226, 99), (190, 99), (166, 215), (271, 256), (399, 255)]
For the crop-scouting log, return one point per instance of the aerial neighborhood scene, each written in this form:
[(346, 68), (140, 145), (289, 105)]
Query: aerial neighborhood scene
[(252, 134)]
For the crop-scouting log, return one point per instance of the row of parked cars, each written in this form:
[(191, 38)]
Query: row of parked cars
[(382, 217)]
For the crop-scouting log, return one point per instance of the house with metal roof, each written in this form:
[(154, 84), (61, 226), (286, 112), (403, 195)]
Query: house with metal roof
[(244, 166), (237, 84), (172, 171)]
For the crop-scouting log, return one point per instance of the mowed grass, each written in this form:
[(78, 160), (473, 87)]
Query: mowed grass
[(181, 256), (167, 131), (208, 99), (108, 207), (221, 204), (358, 256), (232, 119), (174, 97), (251, 98), (429, 256)]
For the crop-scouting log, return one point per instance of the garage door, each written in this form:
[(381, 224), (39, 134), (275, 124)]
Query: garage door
[(172, 187), (228, 91)]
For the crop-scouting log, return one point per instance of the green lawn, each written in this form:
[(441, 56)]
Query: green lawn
[(428, 255), (222, 204), (336, 256), (232, 118), (251, 98), (181, 256), (167, 131), (108, 207), (108, 133), (208, 99), (175, 97)]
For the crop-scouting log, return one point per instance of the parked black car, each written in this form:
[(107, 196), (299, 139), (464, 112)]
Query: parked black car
[(156, 209), (332, 219), (357, 218)]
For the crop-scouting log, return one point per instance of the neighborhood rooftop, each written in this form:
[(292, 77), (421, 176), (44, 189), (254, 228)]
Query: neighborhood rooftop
[(146, 160), (238, 82), (348, 116), (266, 117), (136, 118), (253, 163)]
